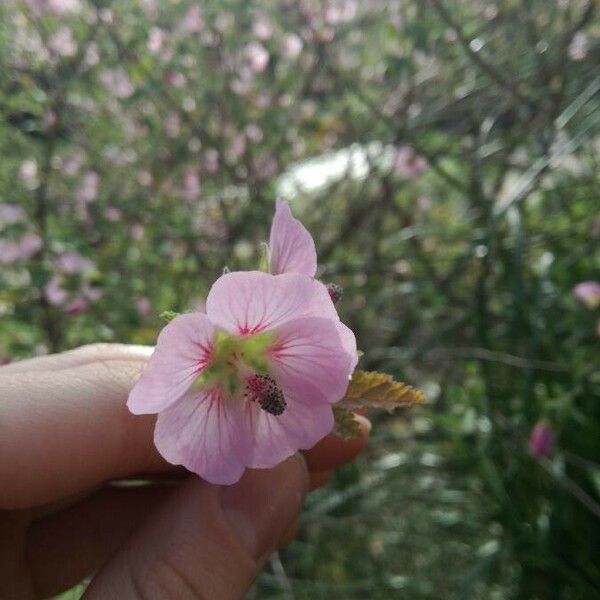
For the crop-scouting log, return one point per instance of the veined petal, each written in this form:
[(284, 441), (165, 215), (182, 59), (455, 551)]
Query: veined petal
[(274, 438), (310, 353), (183, 350), (291, 245), (206, 434), (247, 302)]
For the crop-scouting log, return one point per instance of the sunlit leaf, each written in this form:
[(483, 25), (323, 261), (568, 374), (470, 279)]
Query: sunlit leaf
[(372, 390)]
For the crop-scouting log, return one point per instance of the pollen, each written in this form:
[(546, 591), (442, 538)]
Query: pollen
[(335, 292), (264, 390)]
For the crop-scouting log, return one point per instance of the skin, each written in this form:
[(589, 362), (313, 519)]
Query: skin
[(71, 452)]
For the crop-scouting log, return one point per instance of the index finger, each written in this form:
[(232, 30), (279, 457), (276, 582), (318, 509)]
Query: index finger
[(64, 431)]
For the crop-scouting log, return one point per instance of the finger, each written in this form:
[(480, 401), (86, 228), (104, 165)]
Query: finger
[(207, 541), (62, 549), (319, 479), (65, 431), (332, 452), (78, 357)]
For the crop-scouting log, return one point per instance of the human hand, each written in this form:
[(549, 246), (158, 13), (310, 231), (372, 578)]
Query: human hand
[(68, 449)]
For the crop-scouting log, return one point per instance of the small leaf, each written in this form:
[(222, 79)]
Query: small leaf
[(369, 389), (169, 315), (346, 426), (265, 258)]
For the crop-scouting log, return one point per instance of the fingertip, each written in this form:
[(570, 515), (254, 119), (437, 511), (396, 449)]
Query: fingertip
[(332, 451), (319, 479)]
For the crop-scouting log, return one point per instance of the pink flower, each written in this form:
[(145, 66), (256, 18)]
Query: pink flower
[(88, 189), (291, 46), (28, 174), (29, 245), (251, 381), (71, 263), (143, 307), (11, 213), (291, 246), (588, 293), (407, 163), (76, 307), (54, 292), (257, 56), (193, 21), (541, 440), (117, 82)]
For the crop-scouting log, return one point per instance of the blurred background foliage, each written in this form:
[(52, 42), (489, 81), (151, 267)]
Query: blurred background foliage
[(444, 153)]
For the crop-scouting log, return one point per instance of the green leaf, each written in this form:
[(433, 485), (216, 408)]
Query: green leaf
[(265, 258), (369, 389), (169, 315)]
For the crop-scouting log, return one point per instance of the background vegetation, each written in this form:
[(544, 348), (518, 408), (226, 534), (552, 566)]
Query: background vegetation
[(445, 155)]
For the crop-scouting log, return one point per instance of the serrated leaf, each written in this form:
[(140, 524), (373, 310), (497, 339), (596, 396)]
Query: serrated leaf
[(168, 315), (346, 426), (370, 389)]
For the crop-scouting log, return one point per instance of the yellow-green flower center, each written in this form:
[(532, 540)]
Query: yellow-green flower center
[(234, 359)]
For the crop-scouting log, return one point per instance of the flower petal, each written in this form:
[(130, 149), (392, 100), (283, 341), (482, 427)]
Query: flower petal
[(182, 352), (291, 245), (310, 353), (247, 302), (206, 434), (274, 438)]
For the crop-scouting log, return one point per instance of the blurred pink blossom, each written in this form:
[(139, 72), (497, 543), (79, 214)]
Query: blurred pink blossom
[(56, 7), (11, 213), (291, 46), (588, 293), (136, 231), (71, 263), (28, 174), (211, 161), (253, 132), (340, 11), (29, 244), (172, 125), (265, 166), (143, 307), (113, 214), (191, 185), (117, 82), (76, 307), (541, 440), (192, 22), (156, 40), (262, 28), (11, 251), (578, 48), (70, 166), (93, 294), (257, 56), (408, 163), (63, 43), (54, 292), (88, 189), (174, 78)]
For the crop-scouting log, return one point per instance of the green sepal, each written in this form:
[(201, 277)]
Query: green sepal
[(169, 315)]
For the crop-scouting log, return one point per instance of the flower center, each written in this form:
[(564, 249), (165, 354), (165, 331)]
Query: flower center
[(264, 390), (239, 367)]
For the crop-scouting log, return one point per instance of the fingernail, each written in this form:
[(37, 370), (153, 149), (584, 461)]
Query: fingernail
[(263, 504)]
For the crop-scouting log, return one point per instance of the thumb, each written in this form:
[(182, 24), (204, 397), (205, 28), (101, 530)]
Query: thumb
[(207, 541)]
